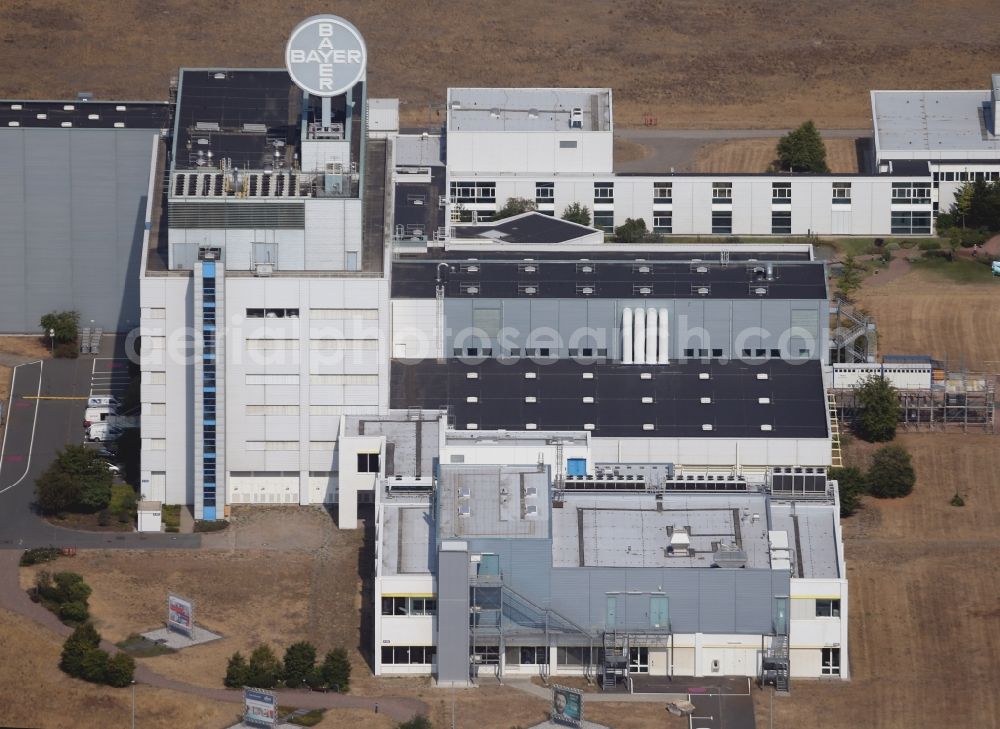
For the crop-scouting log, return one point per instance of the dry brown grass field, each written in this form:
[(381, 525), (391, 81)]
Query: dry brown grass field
[(756, 155), (687, 62), (923, 313), (925, 603), (35, 693)]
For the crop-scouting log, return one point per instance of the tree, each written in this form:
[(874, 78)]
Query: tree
[(633, 231), (336, 670), (514, 206), (802, 150), (264, 669), (418, 722), (64, 323), (851, 485), (74, 612), (300, 660), (577, 213), (237, 671), (78, 480), (119, 670), (69, 587), (977, 205), (891, 474), (878, 410)]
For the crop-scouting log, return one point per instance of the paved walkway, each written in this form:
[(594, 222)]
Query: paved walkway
[(545, 694), (13, 598)]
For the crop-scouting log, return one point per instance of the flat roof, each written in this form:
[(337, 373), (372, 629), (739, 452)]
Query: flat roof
[(612, 400), (85, 114), (530, 227), (495, 277), (418, 150), (528, 110), (416, 213), (933, 123), (616, 530), (611, 252), (407, 546), (812, 537), (493, 502), (411, 443)]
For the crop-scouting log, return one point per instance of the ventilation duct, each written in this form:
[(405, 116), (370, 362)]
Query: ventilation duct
[(626, 336), (651, 332), (639, 336)]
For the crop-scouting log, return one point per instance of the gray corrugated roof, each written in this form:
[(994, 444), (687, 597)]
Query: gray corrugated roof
[(72, 206)]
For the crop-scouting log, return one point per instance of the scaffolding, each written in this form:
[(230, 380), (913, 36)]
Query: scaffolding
[(957, 400), (853, 337)]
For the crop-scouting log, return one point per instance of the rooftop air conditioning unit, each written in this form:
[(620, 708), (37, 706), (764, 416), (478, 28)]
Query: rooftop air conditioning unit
[(703, 291), (576, 118)]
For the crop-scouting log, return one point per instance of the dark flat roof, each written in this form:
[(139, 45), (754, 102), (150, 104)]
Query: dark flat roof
[(133, 114), (416, 205), (548, 279), (910, 167), (661, 252), (797, 407), (533, 227)]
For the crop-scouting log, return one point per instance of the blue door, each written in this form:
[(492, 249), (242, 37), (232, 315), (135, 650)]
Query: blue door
[(576, 467)]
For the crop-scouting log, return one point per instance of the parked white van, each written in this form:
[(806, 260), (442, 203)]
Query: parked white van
[(106, 401), (101, 432)]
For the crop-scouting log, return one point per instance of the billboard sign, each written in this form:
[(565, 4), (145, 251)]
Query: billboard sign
[(326, 55), (259, 707), (567, 705), (180, 615)]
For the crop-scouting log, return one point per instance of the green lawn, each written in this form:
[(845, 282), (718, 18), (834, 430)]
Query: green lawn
[(960, 270)]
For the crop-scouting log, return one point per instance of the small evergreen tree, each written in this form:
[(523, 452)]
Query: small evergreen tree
[(237, 671), (264, 669), (417, 722), (878, 410), (336, 670), (891, 474), (577, 213), (119, 670), (300, 659), (851, 485), (802, 150), (514, 206)]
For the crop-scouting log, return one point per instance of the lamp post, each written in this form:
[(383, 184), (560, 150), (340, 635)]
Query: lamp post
[(52, 341), (133, 703)]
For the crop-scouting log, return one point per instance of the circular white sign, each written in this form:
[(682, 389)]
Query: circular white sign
[(326, 55)]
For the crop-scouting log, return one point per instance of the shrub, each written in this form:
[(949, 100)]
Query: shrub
[(336, 670), (514, 206), (929, 245), (210, 526), (957, 500), (74, 612), (892, 246), (851, 485), (237, 671), (84, 639), (314, 679), (38, 555), (417, 722), (300, 660), (119, 670), (64, 324), (891, 473), (70, 587), (264, 670), (632, 231)]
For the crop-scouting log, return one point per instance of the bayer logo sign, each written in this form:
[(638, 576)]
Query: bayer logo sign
[(326, 55)]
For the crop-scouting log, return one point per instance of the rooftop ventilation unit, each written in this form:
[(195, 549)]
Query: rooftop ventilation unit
[(645, 290), (576, 118), (207, 126), (648, 426), (41, 116), (766, 428), (586, 269), (706, 427), (472, 375), (16, 107), (93, 117), (13, 124), (680, 542), (703, 290), (701, 269), (704, 376), (531, 426), (68, 107), (706, 401), (761, 375), (495, 112), (219, 76), (588, 375), (120, 107), (532, 113), (760, 290), (729, 556)]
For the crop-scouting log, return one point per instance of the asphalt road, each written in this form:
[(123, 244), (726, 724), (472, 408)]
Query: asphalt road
[(722, 711), (36, 429), (675, 149)]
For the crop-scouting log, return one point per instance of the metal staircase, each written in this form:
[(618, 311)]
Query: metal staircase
[(615, 663), (779, 652), (857, 327), (836, 458)]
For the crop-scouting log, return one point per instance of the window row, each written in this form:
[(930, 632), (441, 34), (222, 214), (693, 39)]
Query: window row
[(402, 655), (966, 176), (913, 193), (540, 352), (401, 605), (272, 313), (473, 192), (908, 222)]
